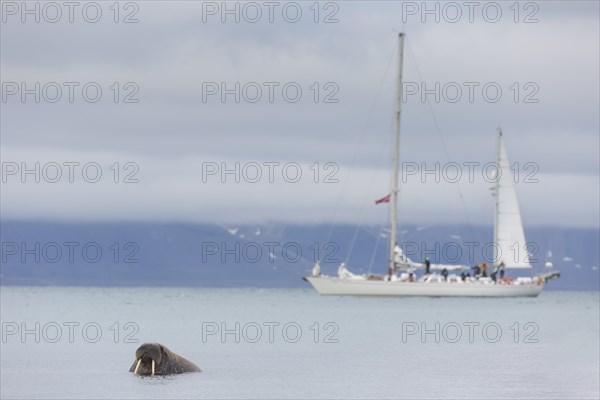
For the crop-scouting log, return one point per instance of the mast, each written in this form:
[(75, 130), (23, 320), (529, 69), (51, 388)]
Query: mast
[(394, 193), (496, 196)]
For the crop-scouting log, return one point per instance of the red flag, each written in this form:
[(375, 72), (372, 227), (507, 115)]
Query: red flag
[(385, 199)]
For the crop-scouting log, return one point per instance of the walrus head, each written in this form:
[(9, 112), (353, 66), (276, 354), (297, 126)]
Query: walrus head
[(148, 356), (157, 359)]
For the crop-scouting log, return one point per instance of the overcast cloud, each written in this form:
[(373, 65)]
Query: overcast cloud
[(171, 54)]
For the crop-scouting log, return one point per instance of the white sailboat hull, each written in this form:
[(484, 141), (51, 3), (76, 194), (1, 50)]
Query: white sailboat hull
[(327, 285)]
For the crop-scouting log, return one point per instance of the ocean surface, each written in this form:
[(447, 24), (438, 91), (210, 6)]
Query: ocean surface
[(79, 342)]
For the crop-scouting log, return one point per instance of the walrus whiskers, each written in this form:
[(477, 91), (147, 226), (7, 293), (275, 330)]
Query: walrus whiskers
[(137, 366), (153, 367)]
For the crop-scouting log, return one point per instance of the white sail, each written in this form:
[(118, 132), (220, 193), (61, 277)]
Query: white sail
[(511, 247)]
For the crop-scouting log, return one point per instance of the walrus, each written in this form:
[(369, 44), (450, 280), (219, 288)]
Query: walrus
[(156, 359)]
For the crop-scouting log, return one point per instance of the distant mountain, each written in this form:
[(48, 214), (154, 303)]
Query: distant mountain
[(276, 255)]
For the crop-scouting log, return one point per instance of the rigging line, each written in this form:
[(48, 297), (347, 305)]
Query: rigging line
[(374, 253), (355, 236), (368, 192), (361, 138), (382, 225), (438, 131), (385, 225), (369, 189)]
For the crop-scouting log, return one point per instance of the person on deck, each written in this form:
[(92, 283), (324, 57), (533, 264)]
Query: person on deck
[(427, 266), (445, 274), (501, 267), (484, 270)]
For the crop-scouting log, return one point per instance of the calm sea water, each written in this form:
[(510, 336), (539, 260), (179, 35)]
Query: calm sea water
[(64, 342)]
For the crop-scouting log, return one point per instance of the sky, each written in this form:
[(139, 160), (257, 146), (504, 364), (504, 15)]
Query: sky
[(171, 104)]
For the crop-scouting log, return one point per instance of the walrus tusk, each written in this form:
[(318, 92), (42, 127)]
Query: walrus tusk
[(137, 366), (152, 367)]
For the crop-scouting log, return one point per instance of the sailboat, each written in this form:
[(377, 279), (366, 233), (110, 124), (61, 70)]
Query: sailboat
[(510, 249)]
